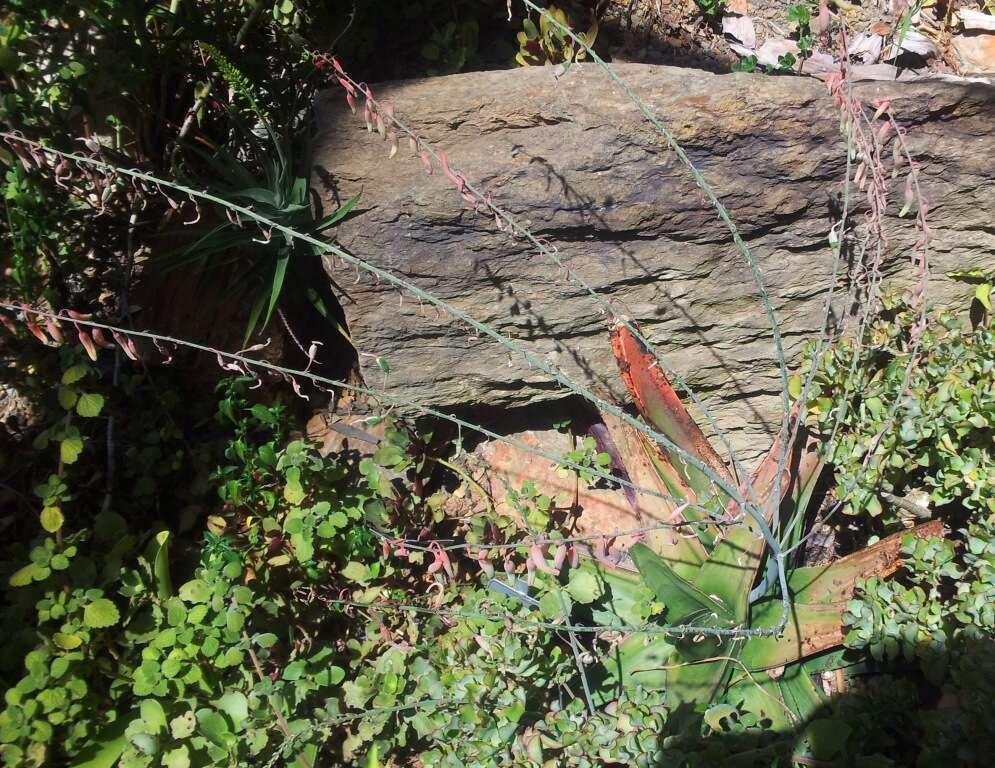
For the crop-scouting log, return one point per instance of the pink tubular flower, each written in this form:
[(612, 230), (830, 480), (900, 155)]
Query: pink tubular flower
[(559, 557), (441, 560), (101, 340), (349, 87), (32, 325), (126, 344), (8, 323), (52, 326), (87, 342), (537, 557), (426, 161), (456, 178)]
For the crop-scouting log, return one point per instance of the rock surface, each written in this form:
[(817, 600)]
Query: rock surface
[(573, 158)]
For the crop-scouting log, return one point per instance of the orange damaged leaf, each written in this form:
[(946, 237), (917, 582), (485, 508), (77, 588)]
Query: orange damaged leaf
[(660, 405)]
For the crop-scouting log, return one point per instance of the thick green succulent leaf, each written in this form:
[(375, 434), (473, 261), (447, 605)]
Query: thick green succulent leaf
[(336, 216), (761, 695), (639, 456), (693, 678), (707, 660), (811, 629), (106, 747), (697, 683), (676, 486), (684, 602), (638, 660), (835, 582), (800, 691), (157, 557), (786, 701), (732, 568), (728, 573)]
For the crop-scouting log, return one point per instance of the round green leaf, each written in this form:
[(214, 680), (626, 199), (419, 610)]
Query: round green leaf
[(182, 726), (67, 642), (23, 576), (177, 758), (70, 448), (584, 586), (67, 398), (236, 706), (153, 715), (52, 519), (74, 374), (89, 405), (214, 726), (293, 492), (195, 591), (101, 613)]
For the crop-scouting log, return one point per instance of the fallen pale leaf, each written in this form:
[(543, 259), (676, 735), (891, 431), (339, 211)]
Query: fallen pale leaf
[(977, 20), (867, 47), (774, 48), (976, 53), (740, 28), (820, 63), (913, 42)]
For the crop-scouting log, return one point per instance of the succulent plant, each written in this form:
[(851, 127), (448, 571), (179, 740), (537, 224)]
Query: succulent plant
[(704, 575), (548, 43)]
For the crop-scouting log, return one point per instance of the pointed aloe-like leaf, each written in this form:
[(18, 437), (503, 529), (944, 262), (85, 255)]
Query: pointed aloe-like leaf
[(696, 682), (692, 666), (635, 661), (732, 567), (259, 195), (683, 552), (801, 459), (811, 629), (820, 595), (707, 660), (257, 309), (684, 602), (157, 555), (799, 483), (800, 691), (336, 216), (276, 287), (786, 697), (765, 697), (760, 695), (661, 407), (835, 582), (729, 571), (678, 488)]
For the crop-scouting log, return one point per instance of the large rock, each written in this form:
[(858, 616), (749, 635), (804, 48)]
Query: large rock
[(573, 158)]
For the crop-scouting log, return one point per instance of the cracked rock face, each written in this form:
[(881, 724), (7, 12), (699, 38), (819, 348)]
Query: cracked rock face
[(576, 162)]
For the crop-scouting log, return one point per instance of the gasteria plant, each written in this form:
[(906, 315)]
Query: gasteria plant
[(728, 646)]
